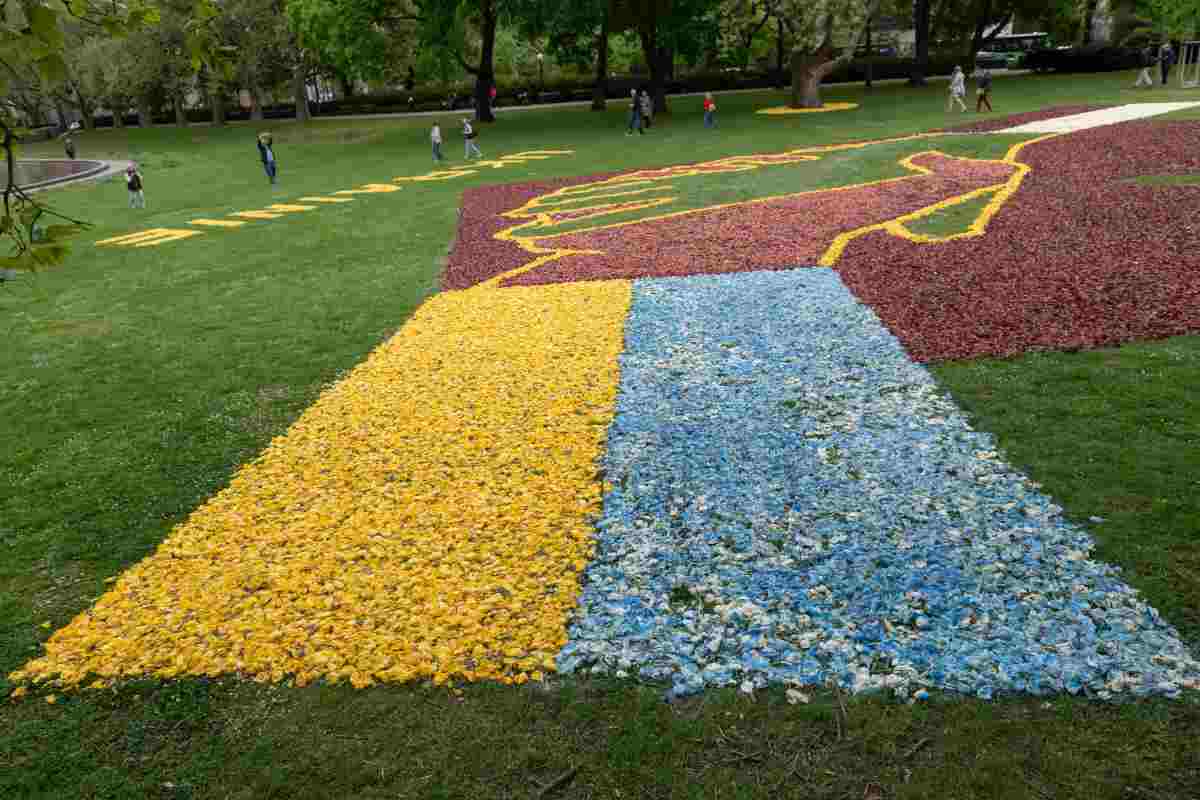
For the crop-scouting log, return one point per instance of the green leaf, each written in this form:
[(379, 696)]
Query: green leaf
[(6, 223), (43, 22), (53, 69), (49, 255), (27, 215), (57, 232)]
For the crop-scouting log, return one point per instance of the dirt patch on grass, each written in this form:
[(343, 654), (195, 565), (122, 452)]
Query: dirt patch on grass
[(1138, 503), (79, 328)]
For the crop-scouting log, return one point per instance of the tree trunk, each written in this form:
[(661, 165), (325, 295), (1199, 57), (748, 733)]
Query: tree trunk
[(1089, 19), (256, 110), (485, 76), (180, 112), (145, 114), (600, 92), (347, 86), (216, 99), (86, 111), (920, 43), (779, 54), (808, 70), (656, 60), (118, 118), (981, 35), (870, 65), (300, 93)]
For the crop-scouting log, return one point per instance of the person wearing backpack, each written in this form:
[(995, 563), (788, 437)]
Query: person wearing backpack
[(133, 182), (469, 141)]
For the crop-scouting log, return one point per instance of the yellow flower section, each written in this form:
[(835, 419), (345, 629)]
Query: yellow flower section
[(781, 110), (429, 516)]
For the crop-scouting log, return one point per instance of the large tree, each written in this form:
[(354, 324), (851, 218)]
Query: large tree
[(666, 29), (826, 34), (466, 29), (32, 38), (920, 18), (976, 23)]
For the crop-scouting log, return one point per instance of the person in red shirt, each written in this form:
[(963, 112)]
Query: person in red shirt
[(710, 110)]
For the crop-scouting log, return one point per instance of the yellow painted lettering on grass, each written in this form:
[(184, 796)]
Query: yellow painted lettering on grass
[(371, 188), (257, 214), (217, 223), (149, 238), (438, 175), (288, 208), (429, 516)]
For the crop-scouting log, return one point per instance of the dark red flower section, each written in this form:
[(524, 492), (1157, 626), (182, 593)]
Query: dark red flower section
[(475, 255), (1081, 257), (1013, 120), (775, 234)]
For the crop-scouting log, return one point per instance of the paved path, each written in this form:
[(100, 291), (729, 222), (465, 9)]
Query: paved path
[(110, 168), (1095, 119), (618, 100)]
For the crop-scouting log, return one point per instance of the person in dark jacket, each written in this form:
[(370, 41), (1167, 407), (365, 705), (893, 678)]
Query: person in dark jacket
[(266, 151), (133, 182), (1144, 77), (983, 89), (1166, 58)]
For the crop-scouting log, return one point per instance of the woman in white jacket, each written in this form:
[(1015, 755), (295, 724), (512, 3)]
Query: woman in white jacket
[(958, 90)]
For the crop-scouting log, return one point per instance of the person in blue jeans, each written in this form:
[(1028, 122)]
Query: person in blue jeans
[(266, 152), (635, 114)]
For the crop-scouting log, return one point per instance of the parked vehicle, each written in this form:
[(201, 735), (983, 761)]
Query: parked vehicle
[(1012, 50)]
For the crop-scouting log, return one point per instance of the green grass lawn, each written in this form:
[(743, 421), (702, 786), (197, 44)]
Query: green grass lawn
[(135, 381)]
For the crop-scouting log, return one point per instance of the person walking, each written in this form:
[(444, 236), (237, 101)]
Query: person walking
[(435, 136), (470, 148), (1144, 78), (1166, 59), (983, 91), (266, 151), (635, 113), (710, 110), (958, 90), (69, 144), (133, 182), (647, 108)]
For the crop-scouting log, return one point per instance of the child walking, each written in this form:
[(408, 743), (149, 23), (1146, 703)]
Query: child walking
[(710, 110), (958, 90), (133, 182), (266, 151), (435, 136), (469, 140)]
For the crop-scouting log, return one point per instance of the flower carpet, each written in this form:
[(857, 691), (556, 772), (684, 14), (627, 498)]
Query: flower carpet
[(695, 444)]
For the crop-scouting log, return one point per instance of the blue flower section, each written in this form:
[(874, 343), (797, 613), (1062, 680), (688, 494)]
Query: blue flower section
[(794, 501)]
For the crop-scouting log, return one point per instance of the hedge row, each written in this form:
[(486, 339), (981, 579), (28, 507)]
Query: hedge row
[(1105, 58)]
